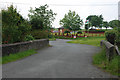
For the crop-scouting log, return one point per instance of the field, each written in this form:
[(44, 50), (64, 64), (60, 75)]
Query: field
[(95, 41)]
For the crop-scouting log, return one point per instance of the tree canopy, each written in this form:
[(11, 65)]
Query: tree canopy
[(71, 21), (105, 24), (14, 26), (95, 20), (41, 18)]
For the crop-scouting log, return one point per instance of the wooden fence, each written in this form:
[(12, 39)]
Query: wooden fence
[(110, 49)]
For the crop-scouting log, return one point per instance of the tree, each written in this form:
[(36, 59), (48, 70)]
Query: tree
[(41, 18), (114, 23), (86, 27), (105, 24), (14, 26), (95, 20), (71, 21)]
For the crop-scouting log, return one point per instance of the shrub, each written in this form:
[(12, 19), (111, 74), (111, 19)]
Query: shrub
[(14, 26), (79, 32), (28, 38), (66, 31), (11, 34), (39, 34), (111, 36), (118, 38)]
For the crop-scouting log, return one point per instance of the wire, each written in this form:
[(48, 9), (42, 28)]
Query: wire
[(85, 5), (65, 4)]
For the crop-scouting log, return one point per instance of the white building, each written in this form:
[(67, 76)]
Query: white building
[(119, 10)]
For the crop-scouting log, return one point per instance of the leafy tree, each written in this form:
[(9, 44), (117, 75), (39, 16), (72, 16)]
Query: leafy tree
[(86, 27), (14, 26), (41, 18), (67, 32), (105, 24), (79, 32), (95, 20), (114, 23), (71, 21)]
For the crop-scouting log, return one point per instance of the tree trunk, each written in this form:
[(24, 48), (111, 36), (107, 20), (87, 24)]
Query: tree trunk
[(106, 28)]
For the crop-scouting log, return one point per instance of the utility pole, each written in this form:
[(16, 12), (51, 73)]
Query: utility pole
[(119, 10)]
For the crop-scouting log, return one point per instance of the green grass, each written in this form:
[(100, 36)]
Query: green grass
[(95, 41), (17, 56), (100, 58), (52, 39), (101, 61)]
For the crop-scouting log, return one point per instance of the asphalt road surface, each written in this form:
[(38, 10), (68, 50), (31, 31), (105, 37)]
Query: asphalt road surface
[(62, 60)]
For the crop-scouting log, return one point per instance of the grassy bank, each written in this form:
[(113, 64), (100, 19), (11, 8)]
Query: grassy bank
[(101, 61), (95, 41), (17, 56)]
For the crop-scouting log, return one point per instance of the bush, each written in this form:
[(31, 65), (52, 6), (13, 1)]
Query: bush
[(10, 34), (79, 32), (111, 36), (66, 31), (118, 36), (14, 26), (28, 38), (118, 40), (39, 34)]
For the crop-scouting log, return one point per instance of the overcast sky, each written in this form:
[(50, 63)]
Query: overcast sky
[(108, 8)]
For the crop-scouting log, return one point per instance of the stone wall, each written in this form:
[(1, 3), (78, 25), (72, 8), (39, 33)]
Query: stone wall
[(110, 49), (23, 46)]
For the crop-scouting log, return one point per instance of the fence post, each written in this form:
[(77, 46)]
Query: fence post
[(109, 48)]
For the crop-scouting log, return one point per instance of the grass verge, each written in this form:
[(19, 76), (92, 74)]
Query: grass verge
[(17, 56), (101, 61), (95, 41), (52, 39)]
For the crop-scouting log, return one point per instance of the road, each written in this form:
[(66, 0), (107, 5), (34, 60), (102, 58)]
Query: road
[(62, 60)]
